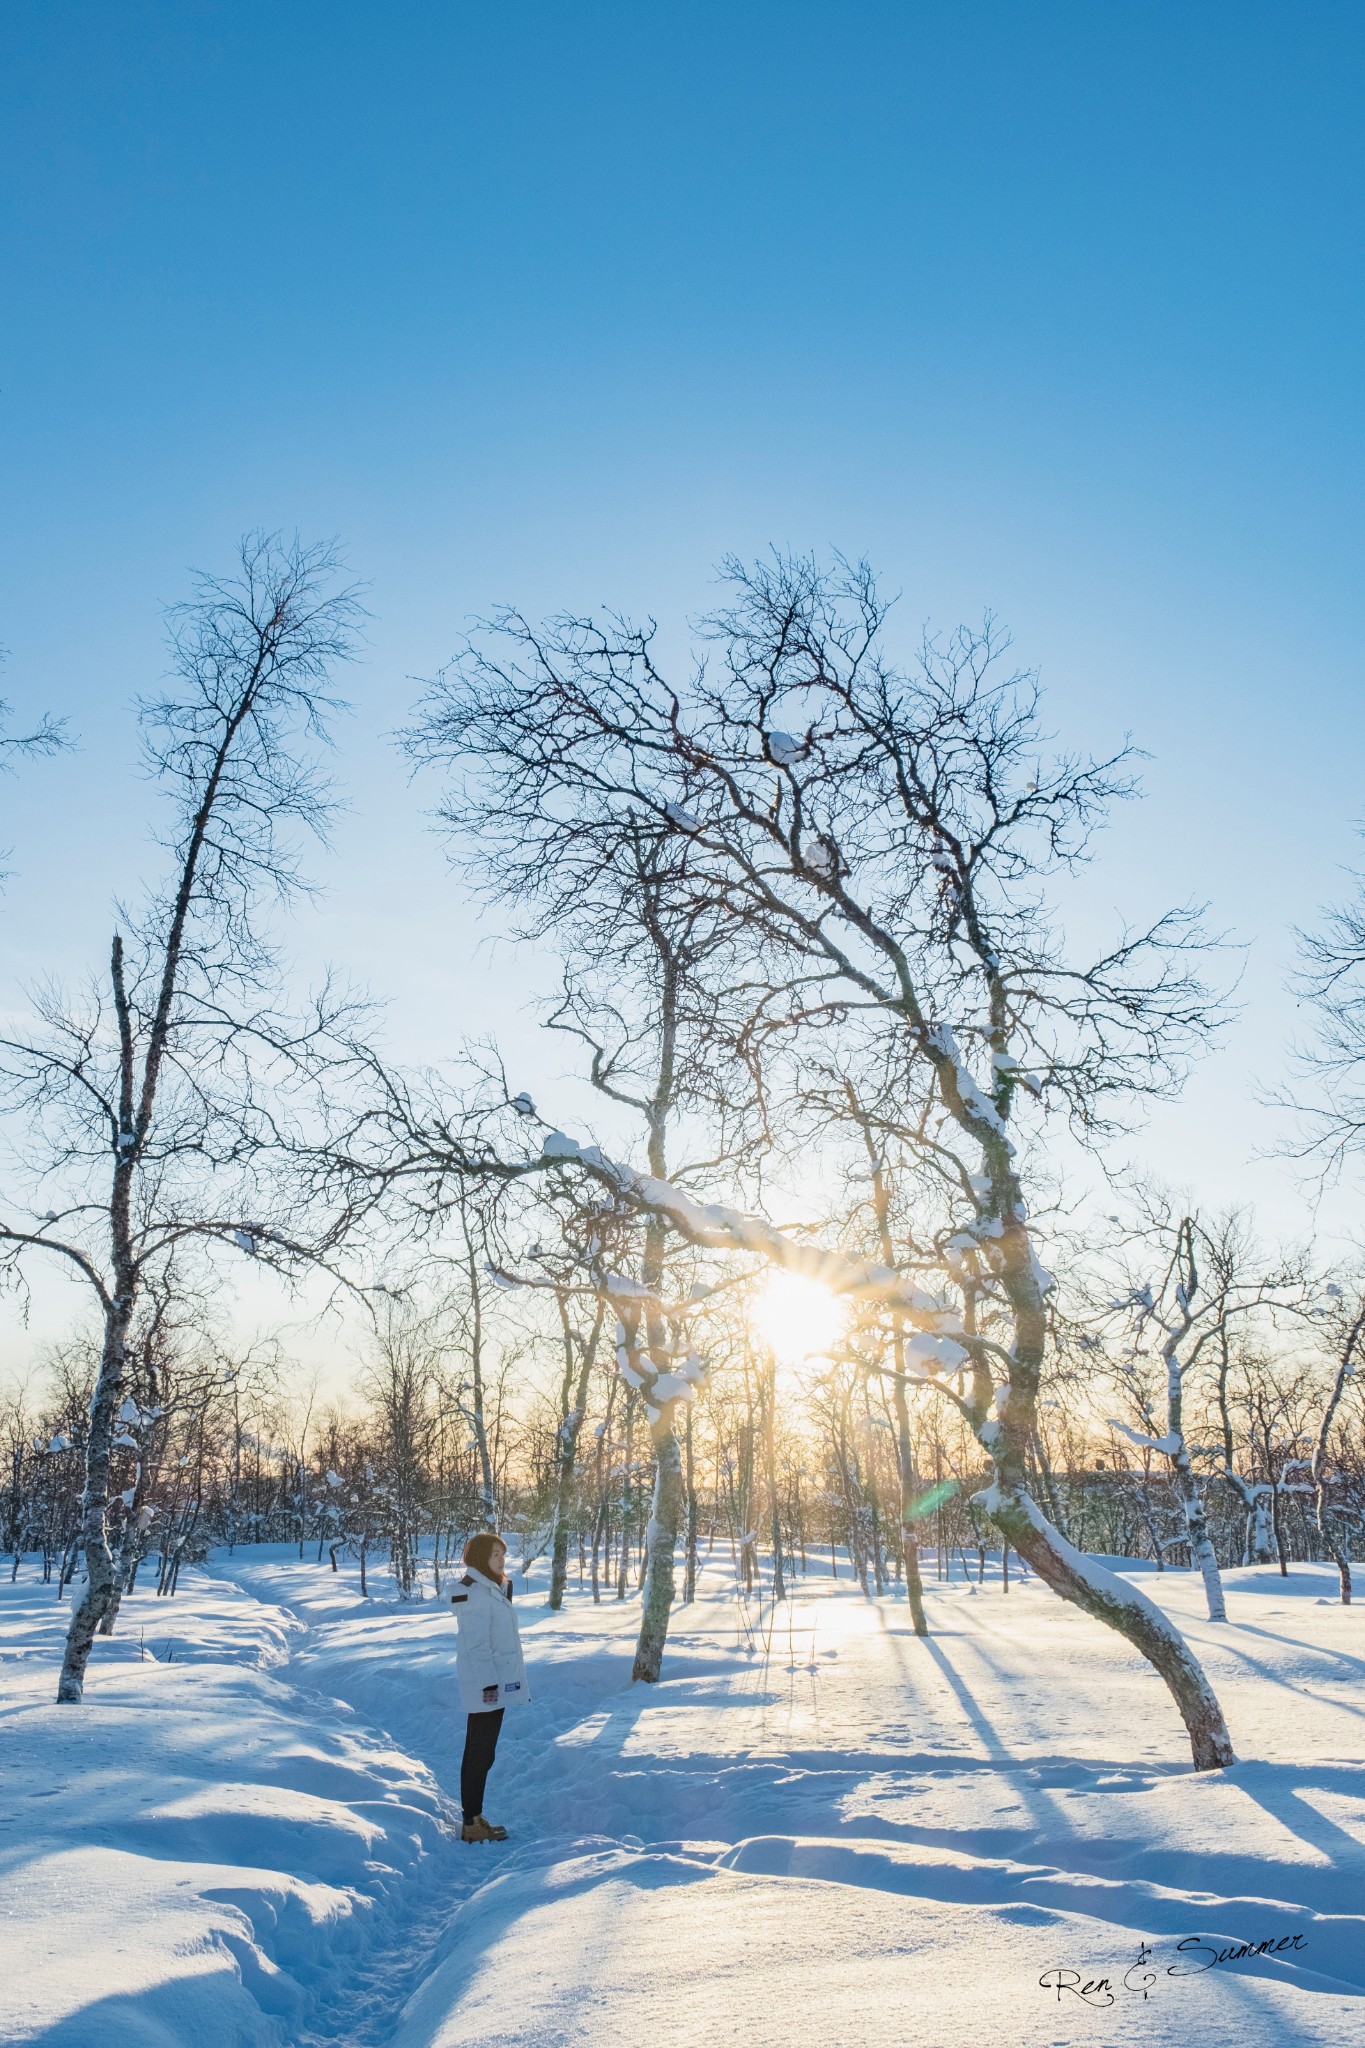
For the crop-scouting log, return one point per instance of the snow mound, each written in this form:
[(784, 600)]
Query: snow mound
[(817, 1832)]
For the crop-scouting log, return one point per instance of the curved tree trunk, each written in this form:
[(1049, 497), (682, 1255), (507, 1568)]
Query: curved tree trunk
[(1120, 1606), (1007, 1434)]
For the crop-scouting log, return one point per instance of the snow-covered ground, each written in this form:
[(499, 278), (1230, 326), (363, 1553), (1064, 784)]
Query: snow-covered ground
[(820, 1831)]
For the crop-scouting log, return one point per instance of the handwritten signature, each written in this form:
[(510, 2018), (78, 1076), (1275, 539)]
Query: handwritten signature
[(1194, 1955)]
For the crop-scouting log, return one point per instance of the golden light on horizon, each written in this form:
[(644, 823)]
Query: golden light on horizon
[(797, 1317)]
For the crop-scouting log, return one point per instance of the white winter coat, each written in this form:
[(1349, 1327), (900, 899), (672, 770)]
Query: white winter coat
[(488, 1651)]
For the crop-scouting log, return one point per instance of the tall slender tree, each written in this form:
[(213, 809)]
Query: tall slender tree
[(1189, 1283), (146, 1104), (645, 956)]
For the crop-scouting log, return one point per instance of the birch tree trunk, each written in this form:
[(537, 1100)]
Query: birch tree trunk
[(1122, 1607), (1332, 1543), (94, 1541), (914, 1585), (134, 1117), (665, 1521), (666, 1518), (127, 1558), (627, 1468), (689, 1520), (769, 1391), (566, 1458), (1202, 1554), (662, 1540)]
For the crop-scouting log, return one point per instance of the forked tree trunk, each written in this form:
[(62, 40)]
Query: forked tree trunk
[(1256, 1541)]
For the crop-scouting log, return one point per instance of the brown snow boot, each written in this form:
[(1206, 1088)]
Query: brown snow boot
[(480, 1830)]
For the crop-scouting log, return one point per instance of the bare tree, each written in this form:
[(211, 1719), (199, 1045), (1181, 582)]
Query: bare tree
[(1252, 1494), (1192, 1283), (649, 1056), (401, 1380), (645, 956), (149, 1102), (1347, 1332), (887, 837)]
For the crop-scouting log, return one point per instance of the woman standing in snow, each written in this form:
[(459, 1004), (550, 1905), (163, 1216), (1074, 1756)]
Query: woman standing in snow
[(489, 1670)]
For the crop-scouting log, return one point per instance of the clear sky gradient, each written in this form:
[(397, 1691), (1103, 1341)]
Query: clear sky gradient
[(1053, 309)]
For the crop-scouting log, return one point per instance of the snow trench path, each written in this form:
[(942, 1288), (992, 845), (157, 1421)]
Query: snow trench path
[(816, 1830), (821, 1829)]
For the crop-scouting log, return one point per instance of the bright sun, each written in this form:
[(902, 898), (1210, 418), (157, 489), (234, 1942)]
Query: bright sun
[(797, 1318)]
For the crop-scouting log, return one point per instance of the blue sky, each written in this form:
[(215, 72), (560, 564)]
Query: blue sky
[(1052, 309)]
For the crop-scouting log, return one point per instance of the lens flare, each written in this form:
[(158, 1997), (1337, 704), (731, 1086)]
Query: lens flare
[(797, 1318)]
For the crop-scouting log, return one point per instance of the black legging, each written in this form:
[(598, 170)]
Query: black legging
[(480, 1748)]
